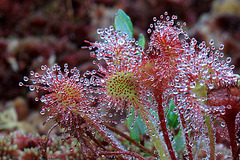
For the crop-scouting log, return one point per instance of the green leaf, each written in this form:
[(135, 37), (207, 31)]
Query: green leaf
[(201, 91), (123, 22), (141, 40), (238, 77), (172, 118), (138, 129), (179, 143)]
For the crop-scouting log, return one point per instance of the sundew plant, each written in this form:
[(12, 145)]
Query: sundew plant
[(172, 91)]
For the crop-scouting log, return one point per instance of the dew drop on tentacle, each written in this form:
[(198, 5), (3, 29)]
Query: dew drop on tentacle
[(42, 112), (221, 54), (31, 73), (223, 124), (36, 75), (221, 47), (110, 115), (192, 84), (228, 60), (232, 66), (43, 67), (99, 31), (31, 87), (122, 121), (121, 41), (131, 127), (36, 99), (149, 31), (211, 42), (25, 78)]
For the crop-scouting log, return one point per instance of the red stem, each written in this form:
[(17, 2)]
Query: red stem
[(230, 122), (187, 139), (158, 97)]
